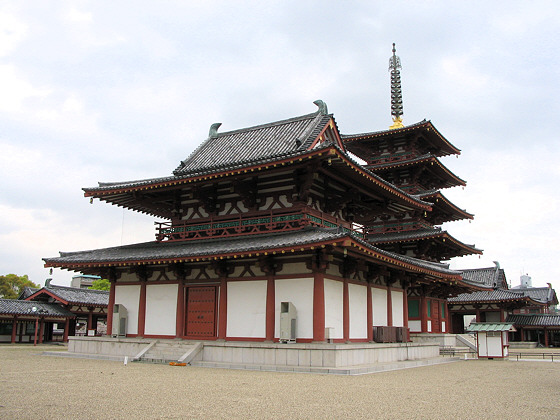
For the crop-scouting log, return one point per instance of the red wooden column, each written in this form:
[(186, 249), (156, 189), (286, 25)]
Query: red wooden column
[(110, 308), (502, 315), (318, 306), (36, 329), (423, 313), (180, 317), (477, 315), (369, 314), (222, 310), (142, 309), (270, 313), (545, 337), (405, 306), (389, 307), (89, 321), (66, 330), (14, 329), (345, 312), (41, 331)]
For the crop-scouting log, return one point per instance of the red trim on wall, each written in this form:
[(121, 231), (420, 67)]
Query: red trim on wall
[(180, 317), (423, 314), (345, 311), (270, 306), (318, 307), (389, 308), (405, 308), (369, 313), (158, 336), (142, 310), (222, 310)]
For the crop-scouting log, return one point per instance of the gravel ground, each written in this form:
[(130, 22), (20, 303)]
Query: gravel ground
[(43, 387)]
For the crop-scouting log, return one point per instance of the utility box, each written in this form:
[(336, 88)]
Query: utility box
[(288, 321), (120, 315)]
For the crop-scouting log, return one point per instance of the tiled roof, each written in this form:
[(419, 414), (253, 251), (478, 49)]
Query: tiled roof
[(223, 150), (490, 326), (490, 277), (25, 307), (538, 320), (76, 295), (26, 292), (419, 234), (152, 251), (541, 294), (494, 295), (444, 146), (443, 205)]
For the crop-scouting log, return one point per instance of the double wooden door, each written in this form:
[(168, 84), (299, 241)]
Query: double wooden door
[(200, 312)]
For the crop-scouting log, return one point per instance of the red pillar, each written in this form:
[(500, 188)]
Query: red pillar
[(389, 307), (318, 307), (110, 309), (545, 337), (66, 329), (477, 315), (345, 311), (180, 317), (369, 314), (270, 303), (142, 310), (222, 310), (14, 329), (41, 331), (405, 308), (502, 315), (89, 322), (36, 328), (424, 313)]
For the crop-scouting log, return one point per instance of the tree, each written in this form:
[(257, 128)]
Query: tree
[(101, 284), (11, 285)]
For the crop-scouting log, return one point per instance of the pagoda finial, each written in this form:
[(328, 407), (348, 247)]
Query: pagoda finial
[(396, 91)]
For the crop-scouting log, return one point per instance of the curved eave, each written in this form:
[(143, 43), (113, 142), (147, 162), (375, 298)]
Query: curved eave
[(121, 194), (345, 241), (524, 299), (447, 207), (442, 236), (433, 135), (440, 170)]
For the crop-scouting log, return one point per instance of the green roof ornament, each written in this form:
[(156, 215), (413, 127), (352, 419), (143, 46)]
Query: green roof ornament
[(213, 133), (322, 107)]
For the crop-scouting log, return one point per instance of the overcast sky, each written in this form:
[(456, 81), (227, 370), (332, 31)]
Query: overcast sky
[(120, 90)]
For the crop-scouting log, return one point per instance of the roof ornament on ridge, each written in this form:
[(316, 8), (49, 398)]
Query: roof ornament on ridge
[(322, 107), (396, 91), (213, 133)]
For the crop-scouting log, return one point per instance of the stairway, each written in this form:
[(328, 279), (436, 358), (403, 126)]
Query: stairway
[(466, 340), (166, 351)]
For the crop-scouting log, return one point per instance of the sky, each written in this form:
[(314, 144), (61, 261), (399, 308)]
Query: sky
[(118, 90)]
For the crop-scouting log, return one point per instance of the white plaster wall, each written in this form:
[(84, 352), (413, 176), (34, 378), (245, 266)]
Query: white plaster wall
[(379, 302), (295, 268), (398, 308), (161, 309), (443, 326), (415, 325), (334, 307), (129, 296), (357, 296), (246, 309), (429, 326), (300, 293)]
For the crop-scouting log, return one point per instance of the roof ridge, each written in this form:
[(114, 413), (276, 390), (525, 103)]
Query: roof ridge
[(270, 124)]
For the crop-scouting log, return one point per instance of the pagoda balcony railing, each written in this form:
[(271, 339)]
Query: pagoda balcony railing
[(239, 225), (398, 227)]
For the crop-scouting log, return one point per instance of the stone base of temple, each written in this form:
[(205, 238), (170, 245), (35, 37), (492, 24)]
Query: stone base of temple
[(441, 339), (353, 358)]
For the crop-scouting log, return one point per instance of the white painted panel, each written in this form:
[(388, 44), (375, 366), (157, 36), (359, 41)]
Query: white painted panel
[(482, 347), (246, 309), (398, 308), (300, 293), (429, 326), (494, 345), (357, 295), (334, 307), (415, 325), (161, 309), (379, 301), (443, 326), (129, 296)]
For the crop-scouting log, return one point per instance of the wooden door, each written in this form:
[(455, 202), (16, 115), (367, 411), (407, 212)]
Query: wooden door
[(201, 312), (436, 321)]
